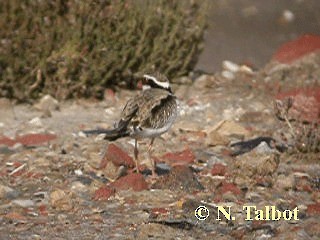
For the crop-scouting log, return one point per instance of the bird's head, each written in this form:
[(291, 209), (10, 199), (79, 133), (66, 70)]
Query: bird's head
[(157, 80)]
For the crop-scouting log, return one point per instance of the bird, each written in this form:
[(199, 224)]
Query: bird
[(149, 114)]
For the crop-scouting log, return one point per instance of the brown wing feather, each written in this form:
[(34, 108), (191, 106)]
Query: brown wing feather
[(161, 113), (150, 109), (145, 111)]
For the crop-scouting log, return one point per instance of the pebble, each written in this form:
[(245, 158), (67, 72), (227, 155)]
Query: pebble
[(214, 138), (47, 103), (82, 134), (228, 128), (36, 122), (25, 203), (77, 186), (230, 66), (288, 16), (284, 183), (251, 164), (180, 178), (228, 75), (204, 81), (8, 192), (60, 199), (263, 147), (246, 69), (78, 172)]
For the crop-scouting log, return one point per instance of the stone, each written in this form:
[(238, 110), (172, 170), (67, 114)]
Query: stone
[(204, 81), (15, 216), (251, 164), (117, 156), (214, 138), (228, 75), (47, 103), (220, 133), (134, 181), (305, 104), (61, 200), (25, 203), (7, 192), (287, 16), (179, 158), (156, 231), (312, 228), (104, 193), (180, 178), (284, 182), (294, 50), (229, 187), (218, 169), (263, 148), (35, 139), (230, 66), (313, 209), (78, 187), (36, 122), (7, 141), (111, 171)]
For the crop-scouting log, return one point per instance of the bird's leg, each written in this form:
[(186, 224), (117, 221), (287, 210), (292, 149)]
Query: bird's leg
[(136, 152), (150, 158)]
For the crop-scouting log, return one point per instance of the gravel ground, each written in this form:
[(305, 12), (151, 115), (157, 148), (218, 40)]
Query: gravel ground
[(56, 183)]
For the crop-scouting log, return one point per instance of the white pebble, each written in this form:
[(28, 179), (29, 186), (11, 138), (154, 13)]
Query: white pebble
[(78, 172), (23, 203), (82, 134), (228, 75), (246, 69), (109, 111), (288, 16), (36, 122), (230, 66)]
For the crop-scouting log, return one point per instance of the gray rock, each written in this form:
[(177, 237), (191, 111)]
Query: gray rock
[(8, 192), (23, 202), (47, 104)]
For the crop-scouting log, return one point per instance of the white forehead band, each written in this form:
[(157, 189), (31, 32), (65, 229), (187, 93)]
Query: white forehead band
[(162, 84)]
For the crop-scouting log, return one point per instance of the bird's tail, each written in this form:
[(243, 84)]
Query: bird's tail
[(110, 134)]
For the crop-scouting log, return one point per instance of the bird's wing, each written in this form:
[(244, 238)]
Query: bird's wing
[(150, 111), (129, 111)]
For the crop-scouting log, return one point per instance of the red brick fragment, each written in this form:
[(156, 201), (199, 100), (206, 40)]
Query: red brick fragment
[(218, 169), (159, 211), (14, 216), (35, 139), (291, 51), (230, 187), (7, 141), (306, 103), (104, 193), (180, 158), (117, 156), (134, 181), (313, 209), (43, 210)]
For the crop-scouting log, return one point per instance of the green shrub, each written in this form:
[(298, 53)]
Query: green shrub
[(76, 48)]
